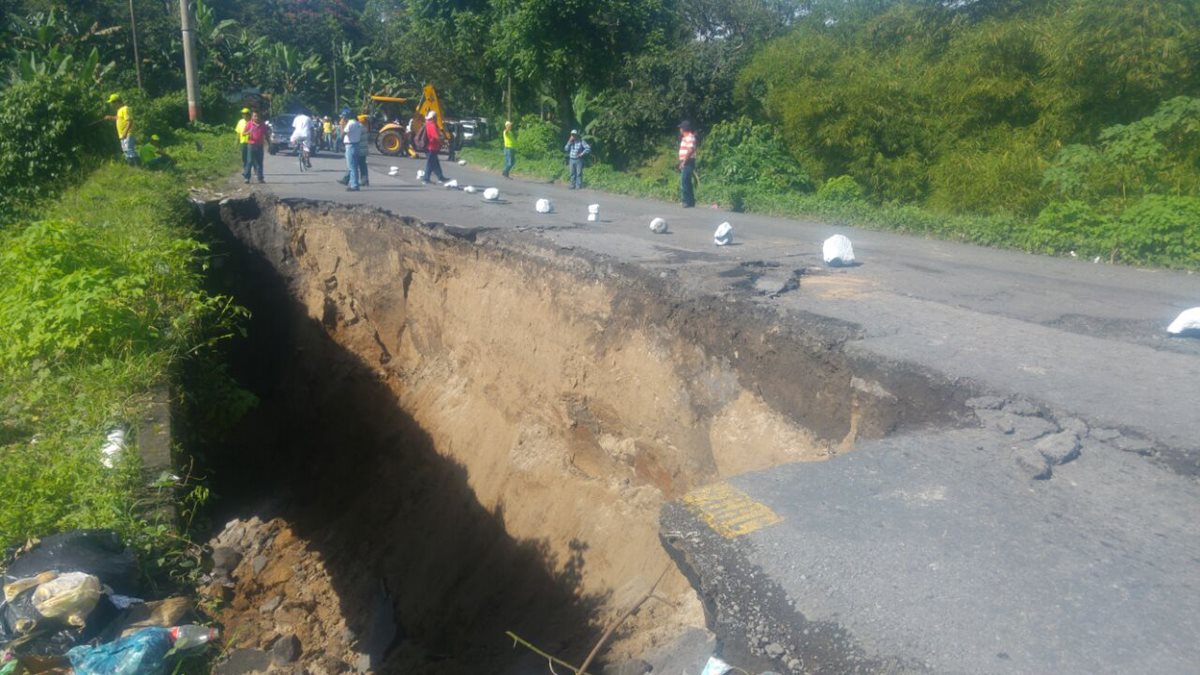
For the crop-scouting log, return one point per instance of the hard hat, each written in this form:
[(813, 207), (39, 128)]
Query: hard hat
[(574, 132), (362, 118), (113, 98), (431, 114), (245, 111)]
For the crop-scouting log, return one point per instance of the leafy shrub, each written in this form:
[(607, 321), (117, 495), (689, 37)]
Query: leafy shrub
[(741, 152), (1069, 226), (52, 127), (1001, 172), (841, 189), (1161, 229), (537, 138)]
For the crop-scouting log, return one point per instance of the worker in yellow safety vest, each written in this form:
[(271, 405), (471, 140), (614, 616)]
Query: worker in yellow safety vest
[(243, 136)]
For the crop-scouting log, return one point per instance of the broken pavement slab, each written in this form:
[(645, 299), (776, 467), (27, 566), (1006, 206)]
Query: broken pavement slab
[(925, 553)]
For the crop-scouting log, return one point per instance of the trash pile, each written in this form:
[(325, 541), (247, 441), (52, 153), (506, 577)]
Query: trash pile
[(71, 604)]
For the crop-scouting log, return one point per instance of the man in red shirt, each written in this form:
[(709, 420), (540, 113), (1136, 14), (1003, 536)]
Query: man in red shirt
[(433, 143), (687, 164), (256, 134)]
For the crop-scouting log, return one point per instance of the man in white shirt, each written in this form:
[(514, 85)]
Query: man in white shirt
[(351, 134), (302, 131)]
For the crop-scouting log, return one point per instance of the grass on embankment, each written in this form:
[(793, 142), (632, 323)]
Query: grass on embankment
[(99, 300)]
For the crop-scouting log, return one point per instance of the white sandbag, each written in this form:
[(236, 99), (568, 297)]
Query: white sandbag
[(658, 226), (491, 194), (593, 213), (470, 189), (451, 183), (420, 174), (462, 162), (393, 170), (724, 235), (543, 206), (1187, 321), (837, 251)]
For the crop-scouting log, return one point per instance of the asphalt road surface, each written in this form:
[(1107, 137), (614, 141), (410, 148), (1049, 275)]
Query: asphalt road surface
[(933, 551)]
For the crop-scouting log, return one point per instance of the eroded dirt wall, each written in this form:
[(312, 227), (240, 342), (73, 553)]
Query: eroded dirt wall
[(473, 386)]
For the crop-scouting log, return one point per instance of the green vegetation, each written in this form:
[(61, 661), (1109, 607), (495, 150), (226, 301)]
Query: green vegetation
[(101, 300)]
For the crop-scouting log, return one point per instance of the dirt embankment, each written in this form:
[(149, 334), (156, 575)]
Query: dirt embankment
[(481, 431)]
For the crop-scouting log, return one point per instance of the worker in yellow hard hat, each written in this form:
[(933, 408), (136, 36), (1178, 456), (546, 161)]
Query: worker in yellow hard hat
[(243, 137), (124, 120)]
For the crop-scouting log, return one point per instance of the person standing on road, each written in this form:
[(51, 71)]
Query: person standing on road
[(351, 135), (124, 120), (327, 130), (509, 159), (243, 142), (256, 138), (433, 143), (361, 154), (576, 150), (687, 164)]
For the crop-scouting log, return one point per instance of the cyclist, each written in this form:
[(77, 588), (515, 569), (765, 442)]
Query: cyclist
[(302, 138)]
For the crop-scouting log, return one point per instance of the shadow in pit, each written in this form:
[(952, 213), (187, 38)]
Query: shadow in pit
[(363, 484)]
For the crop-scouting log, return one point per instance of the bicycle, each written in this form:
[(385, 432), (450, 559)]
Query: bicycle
[(303, 152)]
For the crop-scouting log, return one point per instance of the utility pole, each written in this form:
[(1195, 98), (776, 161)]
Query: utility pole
[(189, 61), (335, 82), (137, 61)]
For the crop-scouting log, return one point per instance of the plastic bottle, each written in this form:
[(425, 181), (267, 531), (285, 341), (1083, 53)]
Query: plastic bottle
[(190, 636)]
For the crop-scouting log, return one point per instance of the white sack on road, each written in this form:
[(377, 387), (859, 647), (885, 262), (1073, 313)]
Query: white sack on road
[(1188, 321), (724, 235), (543, 206), (837, 251), (658, 226), (593, 212), (491, 194)]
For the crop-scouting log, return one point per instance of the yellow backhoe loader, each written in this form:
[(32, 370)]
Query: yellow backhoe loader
[(396, 136)]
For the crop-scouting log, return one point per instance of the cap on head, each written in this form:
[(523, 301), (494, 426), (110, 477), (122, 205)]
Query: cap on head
[(685, 125), (362, 118), (245, 111), (431, 114), (574, 132), (346, 113), (507, 124), (114, 98)]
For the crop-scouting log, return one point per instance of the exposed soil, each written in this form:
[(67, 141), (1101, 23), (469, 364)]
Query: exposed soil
[(463, 433)]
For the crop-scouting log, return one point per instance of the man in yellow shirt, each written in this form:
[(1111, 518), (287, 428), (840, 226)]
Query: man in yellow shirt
[(243, 137), (124, 119), (509, 151)]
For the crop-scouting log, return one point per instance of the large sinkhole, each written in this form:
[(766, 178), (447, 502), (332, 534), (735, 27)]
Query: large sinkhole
[(469, 433)]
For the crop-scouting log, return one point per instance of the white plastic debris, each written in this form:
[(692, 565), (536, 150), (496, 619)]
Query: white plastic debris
[(837, 251), (451, 183), (393, 170), (724, 235), (716, 666), (462, 162), (470, 189), (71, 596), (491, 194), (543, 206), (1187, 321), (658, 226), (420, 174), (593, 212), (113, 446)]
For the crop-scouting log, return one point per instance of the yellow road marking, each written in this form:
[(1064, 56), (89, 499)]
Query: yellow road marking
[(729, 511)]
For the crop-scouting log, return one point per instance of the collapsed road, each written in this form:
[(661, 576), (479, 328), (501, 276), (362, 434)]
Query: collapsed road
[(947, 459)]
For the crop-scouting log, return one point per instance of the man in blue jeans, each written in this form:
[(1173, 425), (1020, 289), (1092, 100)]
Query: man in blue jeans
[(576, 150), (351, 135)]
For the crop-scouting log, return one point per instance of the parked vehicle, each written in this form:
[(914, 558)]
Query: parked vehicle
[(280, 137)]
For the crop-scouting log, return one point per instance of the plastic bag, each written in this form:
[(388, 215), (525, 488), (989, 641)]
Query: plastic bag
[(543, 206), (453, 183), (15, 588), (1188, 322), (716, 666), (593, 213), (69, 597), (491, 194), (837, 251), (658, 226), (97, 552), (143, 653), (724, 235)]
